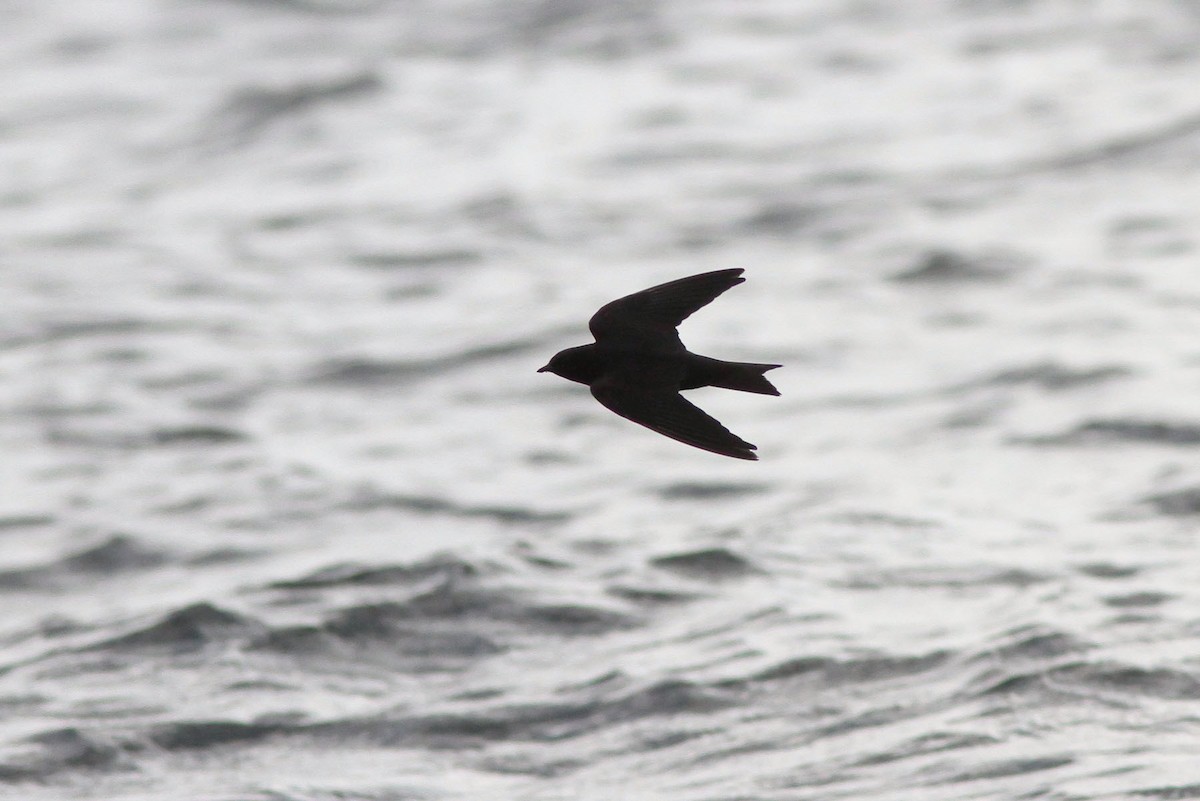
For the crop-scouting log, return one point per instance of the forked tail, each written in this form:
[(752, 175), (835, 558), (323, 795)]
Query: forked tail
[(745, 377)]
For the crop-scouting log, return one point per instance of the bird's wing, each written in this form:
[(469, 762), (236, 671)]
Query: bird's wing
[(664, 410), (647, 319)]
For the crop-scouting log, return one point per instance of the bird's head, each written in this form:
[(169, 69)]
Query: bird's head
[(575, 364)]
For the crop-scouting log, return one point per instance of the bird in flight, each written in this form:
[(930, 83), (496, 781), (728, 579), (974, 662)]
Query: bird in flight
[(637, 365)]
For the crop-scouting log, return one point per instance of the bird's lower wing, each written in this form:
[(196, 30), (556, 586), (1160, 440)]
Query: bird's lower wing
[(668, 413)]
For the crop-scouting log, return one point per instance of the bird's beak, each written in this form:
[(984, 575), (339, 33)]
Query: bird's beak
[(543, 369)]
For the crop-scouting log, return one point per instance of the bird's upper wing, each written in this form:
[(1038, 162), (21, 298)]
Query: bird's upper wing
[(664, 410), (647, 319)]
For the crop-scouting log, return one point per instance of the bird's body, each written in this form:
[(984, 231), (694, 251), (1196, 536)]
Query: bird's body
[(638, 365)]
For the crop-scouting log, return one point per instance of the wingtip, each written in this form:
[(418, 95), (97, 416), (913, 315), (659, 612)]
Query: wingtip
[(735, 273), (747, 453)]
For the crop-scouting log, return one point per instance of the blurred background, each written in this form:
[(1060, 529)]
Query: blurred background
[(286, 513)]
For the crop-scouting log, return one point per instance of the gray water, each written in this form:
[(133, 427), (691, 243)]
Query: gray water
[(286, 513)]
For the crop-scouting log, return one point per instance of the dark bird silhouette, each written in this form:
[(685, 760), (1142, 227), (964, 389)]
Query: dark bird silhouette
[(637, 365)]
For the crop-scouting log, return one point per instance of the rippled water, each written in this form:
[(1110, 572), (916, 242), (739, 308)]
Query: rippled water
[(286, 513)]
